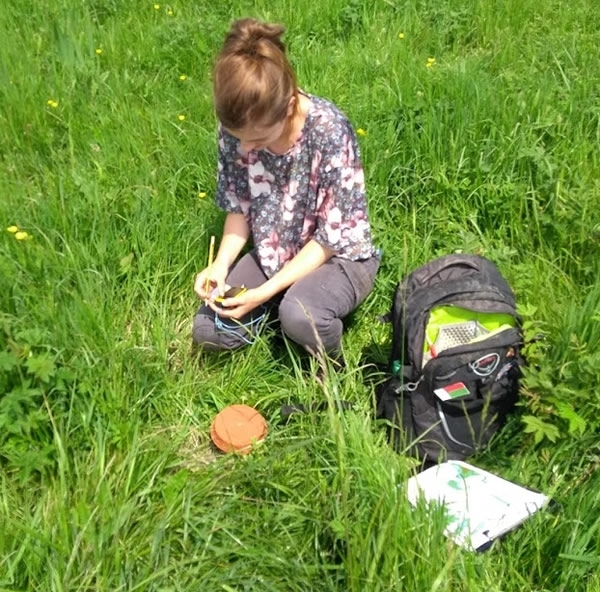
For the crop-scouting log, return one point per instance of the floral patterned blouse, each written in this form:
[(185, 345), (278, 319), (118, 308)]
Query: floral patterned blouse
[(314, 191)]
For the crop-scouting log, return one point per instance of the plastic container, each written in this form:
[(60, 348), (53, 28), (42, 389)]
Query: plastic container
[(237, 428)]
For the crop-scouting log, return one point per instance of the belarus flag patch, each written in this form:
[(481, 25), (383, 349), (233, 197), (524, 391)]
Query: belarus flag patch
[(452, 391)]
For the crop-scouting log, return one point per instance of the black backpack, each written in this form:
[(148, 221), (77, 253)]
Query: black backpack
[(455, 361)]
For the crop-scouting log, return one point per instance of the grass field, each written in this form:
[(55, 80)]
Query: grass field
[(482, 134)]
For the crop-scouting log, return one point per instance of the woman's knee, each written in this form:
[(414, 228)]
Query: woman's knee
[(206, 335), (296, 320), (309, 327), (203, 332)]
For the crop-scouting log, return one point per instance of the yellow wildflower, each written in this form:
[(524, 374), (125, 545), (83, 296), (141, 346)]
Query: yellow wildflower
[(430, 62), (361, 132), (12, 229), (21, 235), (157, 7), (99, 51), (182, 77), (400, 35), (181, 117), (52, 103), (202, 194), (170, 12)]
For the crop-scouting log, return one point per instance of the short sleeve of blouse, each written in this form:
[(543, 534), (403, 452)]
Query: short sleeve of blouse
[(342, 218), (232, 184)]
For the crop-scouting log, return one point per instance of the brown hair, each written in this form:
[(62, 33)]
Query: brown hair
[(253, 80)]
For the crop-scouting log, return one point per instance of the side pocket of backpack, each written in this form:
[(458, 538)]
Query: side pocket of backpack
[(504, 390), (394, 406), (430, 441)]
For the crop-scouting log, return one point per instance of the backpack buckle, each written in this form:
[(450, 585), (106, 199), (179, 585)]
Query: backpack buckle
[(408, 386)]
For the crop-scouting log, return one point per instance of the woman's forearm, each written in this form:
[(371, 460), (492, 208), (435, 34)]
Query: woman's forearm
[(309, 258), (235, 235)]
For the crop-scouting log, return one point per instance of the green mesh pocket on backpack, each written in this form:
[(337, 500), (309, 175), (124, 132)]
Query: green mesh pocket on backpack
[(452, 326)]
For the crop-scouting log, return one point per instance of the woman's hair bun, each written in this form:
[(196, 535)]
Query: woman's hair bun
[(249, 36)]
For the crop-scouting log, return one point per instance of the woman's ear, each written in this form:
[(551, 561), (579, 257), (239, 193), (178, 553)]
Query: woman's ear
[(291, 109)]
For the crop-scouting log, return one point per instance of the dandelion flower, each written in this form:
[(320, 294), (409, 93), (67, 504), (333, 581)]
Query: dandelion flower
[(99, 51), (361, 132), (157, 7), (170, 12), (52, 103), (202, 194), (181, 117), (400, 35), (12, 229), (182, 77), (21, 235)]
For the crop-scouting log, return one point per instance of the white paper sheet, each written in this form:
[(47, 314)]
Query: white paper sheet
[(480, 506)]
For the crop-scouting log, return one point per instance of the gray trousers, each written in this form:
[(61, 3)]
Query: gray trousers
[(310, 312)]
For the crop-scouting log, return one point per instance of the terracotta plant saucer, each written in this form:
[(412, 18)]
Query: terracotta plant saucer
[(237, 427)]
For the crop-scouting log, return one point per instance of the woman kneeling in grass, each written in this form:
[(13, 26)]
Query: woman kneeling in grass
[(290, 179)]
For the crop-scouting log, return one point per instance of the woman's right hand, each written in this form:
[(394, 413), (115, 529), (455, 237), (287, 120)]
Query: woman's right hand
[(210, 278)]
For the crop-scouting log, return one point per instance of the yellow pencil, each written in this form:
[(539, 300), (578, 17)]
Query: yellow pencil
[(211, 254)]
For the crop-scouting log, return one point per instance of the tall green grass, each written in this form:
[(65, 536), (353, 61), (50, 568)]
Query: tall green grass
[(107, 479)]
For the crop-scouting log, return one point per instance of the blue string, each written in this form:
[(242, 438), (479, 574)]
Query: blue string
[(224, 327)]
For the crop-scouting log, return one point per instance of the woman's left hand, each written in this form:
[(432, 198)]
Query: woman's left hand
[(238, 306)]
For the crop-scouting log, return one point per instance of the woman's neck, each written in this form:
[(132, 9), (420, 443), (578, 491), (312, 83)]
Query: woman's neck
[(293, 129)]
